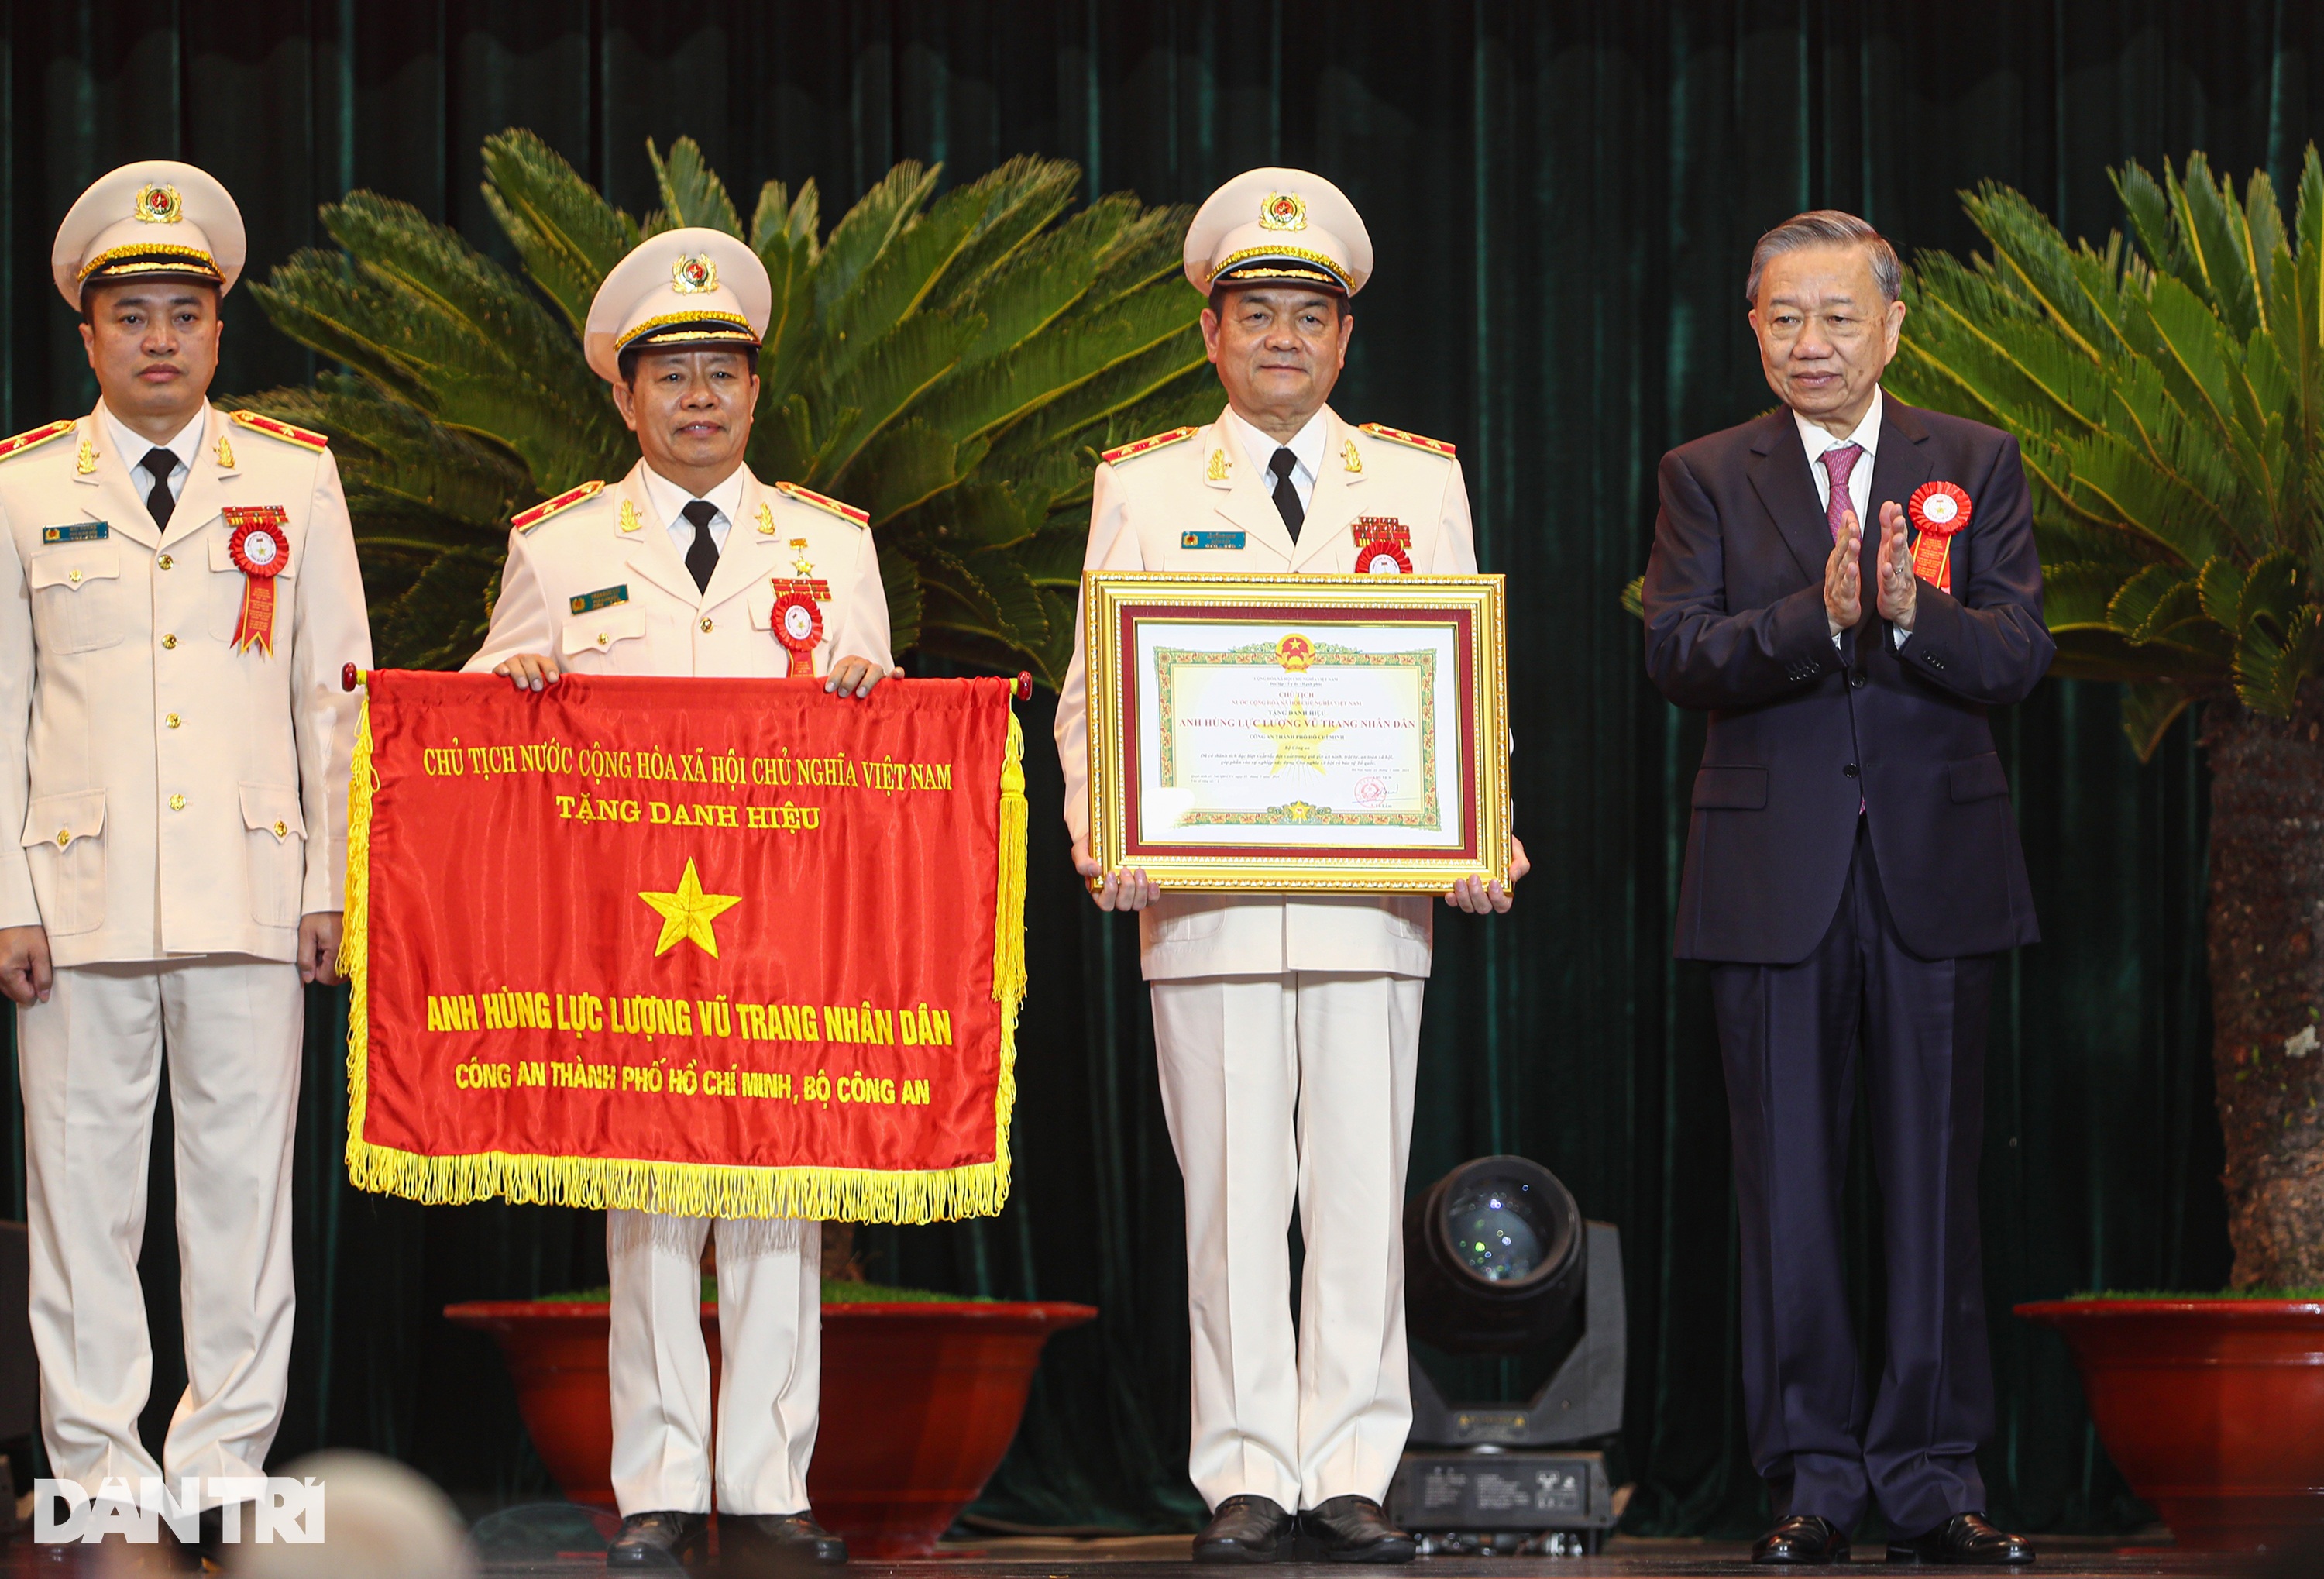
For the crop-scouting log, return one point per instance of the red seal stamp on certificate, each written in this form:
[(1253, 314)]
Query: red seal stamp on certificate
[(798, 626), (259, 548), (1936, 511), (1382, 544)]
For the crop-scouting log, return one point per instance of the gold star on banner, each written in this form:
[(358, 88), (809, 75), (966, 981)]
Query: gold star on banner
[(1297, 739), (687, 915)]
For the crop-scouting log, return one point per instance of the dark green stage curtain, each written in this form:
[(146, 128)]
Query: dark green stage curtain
[(1563, 196)]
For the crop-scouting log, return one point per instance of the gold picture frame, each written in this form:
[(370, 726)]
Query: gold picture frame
[(1200, 690)]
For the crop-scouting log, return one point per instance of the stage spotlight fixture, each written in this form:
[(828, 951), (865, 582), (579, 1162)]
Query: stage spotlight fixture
[(1495, 1256), (1498, 1261)]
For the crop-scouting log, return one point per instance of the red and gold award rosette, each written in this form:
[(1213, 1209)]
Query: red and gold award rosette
[(1936, 511), (1382, 546), (798, 626), (259, 548)]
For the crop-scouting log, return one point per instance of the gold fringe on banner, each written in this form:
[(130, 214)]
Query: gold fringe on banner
[(689, 1189)]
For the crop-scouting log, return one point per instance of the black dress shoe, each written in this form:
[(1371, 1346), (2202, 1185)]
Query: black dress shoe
[(766, 1543), (1354, 1530), (663, 1538), (1245, 1529), (1966, 1539), (1803, 1538)]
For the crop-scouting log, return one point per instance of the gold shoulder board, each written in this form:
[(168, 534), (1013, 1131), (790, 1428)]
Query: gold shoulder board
[(549, 507), (1122, 452), (283, 430), (38, 436), (1433, 446), (809, 496)]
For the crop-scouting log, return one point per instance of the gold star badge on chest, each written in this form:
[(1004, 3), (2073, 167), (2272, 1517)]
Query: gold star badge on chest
[(807, 582)]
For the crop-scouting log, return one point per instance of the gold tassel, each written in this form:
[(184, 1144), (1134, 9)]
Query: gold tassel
[(354, 938), (1008, 976)]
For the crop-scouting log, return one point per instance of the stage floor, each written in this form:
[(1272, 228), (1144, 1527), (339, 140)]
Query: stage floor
[(1164, 1557)]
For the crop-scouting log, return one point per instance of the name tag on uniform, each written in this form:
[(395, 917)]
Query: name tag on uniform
[(1211, 539), (604, 597), (85, 532)]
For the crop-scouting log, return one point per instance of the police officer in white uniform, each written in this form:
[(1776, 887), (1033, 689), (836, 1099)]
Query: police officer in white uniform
[(673, 570), (1286, 1029), (181, 593)]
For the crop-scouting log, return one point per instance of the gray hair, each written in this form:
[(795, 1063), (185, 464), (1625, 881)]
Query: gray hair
[(1821, 227)]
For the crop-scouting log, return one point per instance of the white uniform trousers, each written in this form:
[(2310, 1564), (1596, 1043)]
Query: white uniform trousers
[(1280, 1088), (91, 1061), (770, 1354)]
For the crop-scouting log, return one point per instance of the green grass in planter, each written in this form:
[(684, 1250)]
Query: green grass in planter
[(834, 1292), (2301, 1294)]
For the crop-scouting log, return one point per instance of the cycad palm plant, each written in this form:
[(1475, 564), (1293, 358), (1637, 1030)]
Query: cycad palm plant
[(2168, 394), (949, 362)]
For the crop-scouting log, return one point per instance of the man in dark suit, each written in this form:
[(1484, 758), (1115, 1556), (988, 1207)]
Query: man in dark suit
[(1852, 869)]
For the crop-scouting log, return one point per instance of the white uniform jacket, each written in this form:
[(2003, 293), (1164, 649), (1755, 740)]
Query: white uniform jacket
[(175, 794), (603, 590), (1148, 512)]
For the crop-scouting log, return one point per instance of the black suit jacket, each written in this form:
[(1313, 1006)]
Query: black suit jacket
[(1802, 731)]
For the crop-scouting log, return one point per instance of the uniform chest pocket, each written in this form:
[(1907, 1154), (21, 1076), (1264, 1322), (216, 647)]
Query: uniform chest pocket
[(77, 601), (229, 584), (600, 632)]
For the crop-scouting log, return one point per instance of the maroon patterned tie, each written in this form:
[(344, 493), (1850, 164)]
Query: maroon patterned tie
[(1838, 462)]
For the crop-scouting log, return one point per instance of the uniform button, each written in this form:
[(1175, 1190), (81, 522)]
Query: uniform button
[(1849, 770), (64, 837), (73, 577), (706, 624), (1857, 680), (169, 641), (171, 721), (280, 827), (601, 638), (166, 562), (177, 802)]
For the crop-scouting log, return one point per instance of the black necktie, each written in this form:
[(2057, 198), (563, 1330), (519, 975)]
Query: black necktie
[(158, 464), (702, 559), (1287, 498)]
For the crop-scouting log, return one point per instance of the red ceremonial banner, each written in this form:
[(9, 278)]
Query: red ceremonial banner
[(730, 948)]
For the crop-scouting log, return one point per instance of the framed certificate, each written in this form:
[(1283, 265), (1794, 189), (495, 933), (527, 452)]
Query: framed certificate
[(1319, 734)]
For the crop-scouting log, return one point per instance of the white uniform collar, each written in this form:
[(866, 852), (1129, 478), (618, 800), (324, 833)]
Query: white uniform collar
[(133, 448), (1308, 443), (669, 500), (1867, 435)]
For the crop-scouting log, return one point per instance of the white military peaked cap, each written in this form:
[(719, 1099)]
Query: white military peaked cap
[(154, 219), (1278, 227), (688, 287)]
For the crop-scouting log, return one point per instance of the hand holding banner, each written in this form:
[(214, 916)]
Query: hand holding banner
[(731, 948)]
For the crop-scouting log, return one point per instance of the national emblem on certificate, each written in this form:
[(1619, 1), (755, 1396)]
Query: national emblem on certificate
[(1298, 732)]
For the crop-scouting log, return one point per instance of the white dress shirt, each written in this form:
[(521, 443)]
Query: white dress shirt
[(1815, 441), (1306, 445), (669, 502), (132, 448)]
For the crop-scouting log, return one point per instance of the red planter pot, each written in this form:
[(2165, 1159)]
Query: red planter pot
[(2213, 1410), (919, 1403)]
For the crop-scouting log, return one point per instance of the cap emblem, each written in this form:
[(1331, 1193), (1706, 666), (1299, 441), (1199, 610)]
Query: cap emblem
[(1283, 211), (159, 205), (692, 274)]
